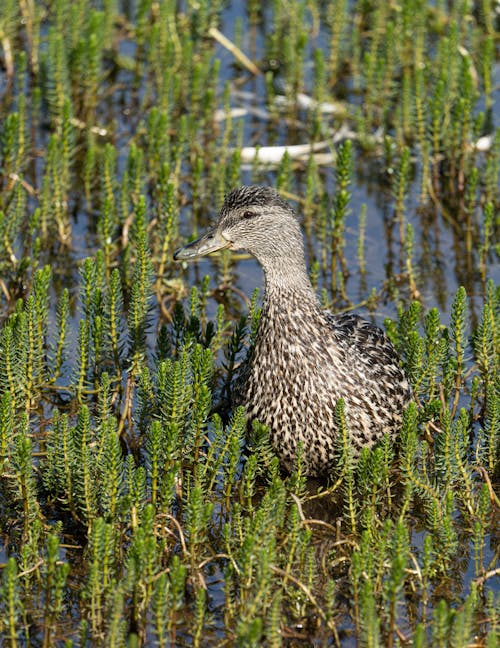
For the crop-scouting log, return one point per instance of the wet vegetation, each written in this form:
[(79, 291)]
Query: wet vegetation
[(132, 514)]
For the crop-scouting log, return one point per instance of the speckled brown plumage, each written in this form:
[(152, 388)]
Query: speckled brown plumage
[(305, 358)]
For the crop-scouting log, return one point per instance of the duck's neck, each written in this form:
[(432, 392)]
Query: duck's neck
[(287, 288)]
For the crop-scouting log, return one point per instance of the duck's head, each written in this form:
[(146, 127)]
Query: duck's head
[(255, 219)]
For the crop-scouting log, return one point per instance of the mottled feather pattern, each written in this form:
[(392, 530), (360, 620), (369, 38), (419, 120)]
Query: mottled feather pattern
[(299, 369)]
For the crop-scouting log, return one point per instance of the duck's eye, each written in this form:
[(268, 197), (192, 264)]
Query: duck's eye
[(248, 214)]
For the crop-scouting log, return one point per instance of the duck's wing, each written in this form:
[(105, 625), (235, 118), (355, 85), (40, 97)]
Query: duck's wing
[(366, 341), (361, 330)]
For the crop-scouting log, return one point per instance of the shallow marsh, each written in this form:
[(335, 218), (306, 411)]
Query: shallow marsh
[(129, 514)]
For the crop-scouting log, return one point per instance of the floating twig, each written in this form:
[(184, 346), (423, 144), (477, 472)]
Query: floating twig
[(235, 51)]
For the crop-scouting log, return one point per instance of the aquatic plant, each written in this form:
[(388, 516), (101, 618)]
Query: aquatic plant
[(132, 511)]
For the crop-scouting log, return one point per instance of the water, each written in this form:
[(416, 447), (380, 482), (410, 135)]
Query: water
[(441, 260)]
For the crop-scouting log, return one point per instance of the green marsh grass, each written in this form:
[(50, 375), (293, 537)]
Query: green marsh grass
[(134, 510)]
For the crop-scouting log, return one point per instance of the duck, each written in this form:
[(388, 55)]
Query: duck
[(304, 359)]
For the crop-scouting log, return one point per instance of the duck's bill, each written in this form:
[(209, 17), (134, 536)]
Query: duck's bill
[(210, 242)]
